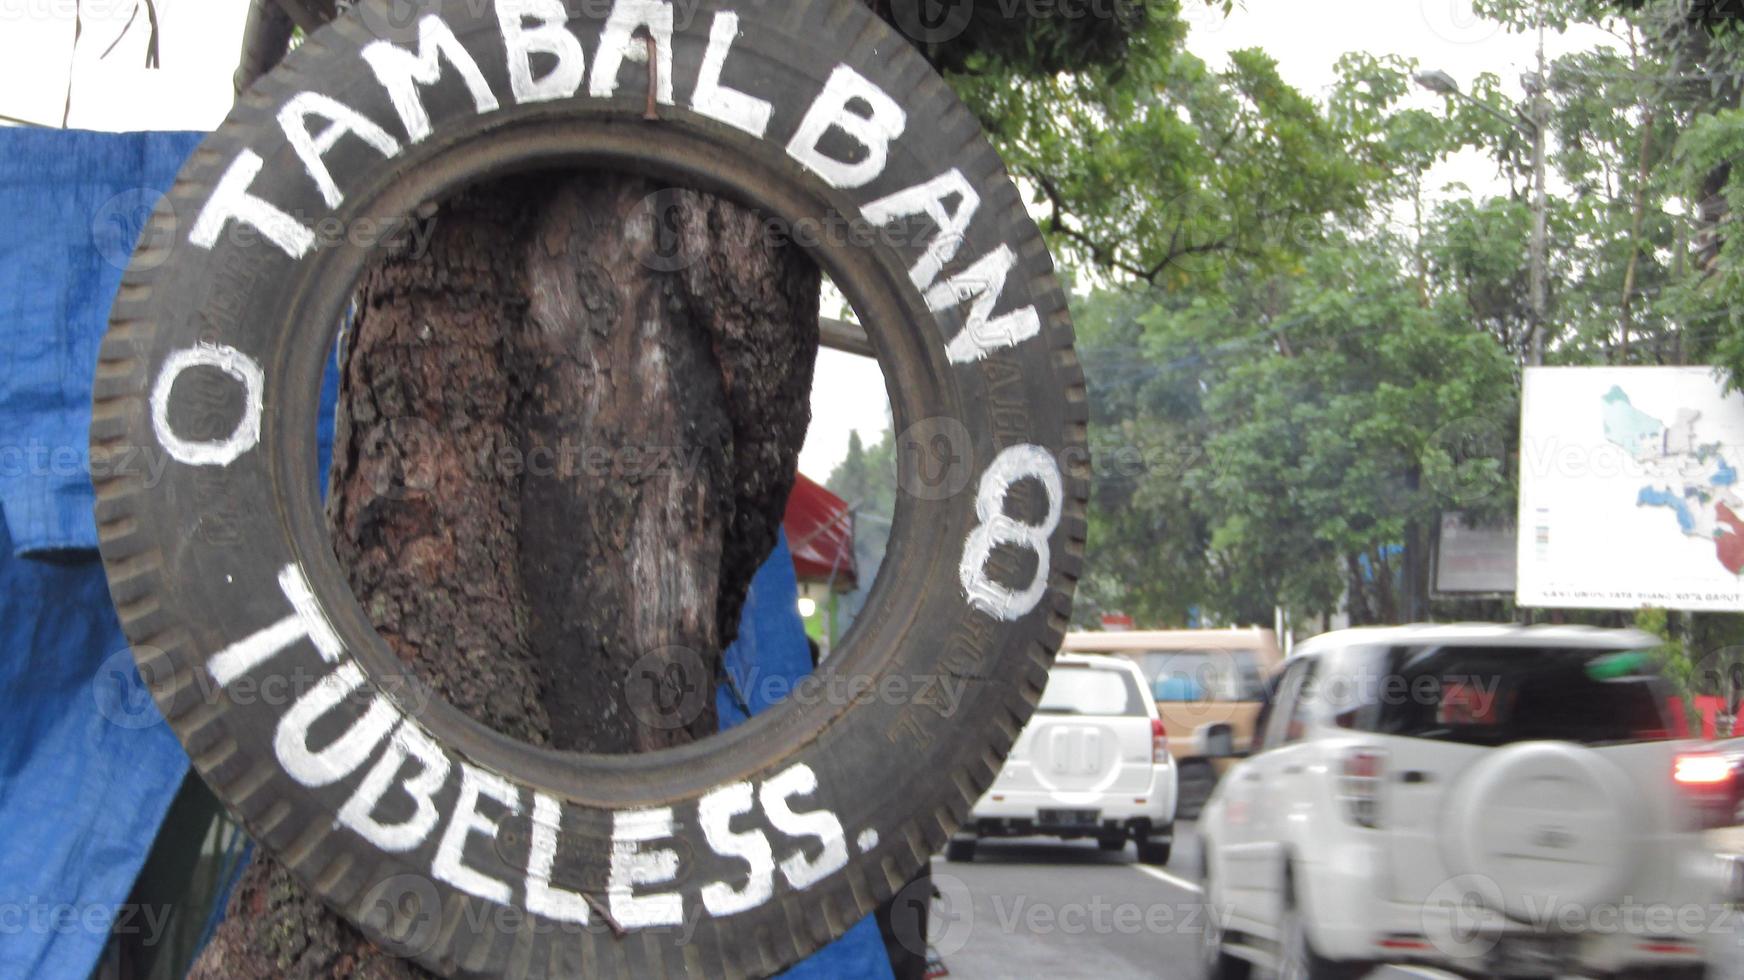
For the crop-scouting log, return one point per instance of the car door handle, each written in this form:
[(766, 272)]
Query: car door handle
[(1251, 777), (1292, 770)]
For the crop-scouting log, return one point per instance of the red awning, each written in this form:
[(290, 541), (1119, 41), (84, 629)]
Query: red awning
[(820, 532)]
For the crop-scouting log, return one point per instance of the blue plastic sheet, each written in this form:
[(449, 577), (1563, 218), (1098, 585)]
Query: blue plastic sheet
[(87, 767), (770, 655)]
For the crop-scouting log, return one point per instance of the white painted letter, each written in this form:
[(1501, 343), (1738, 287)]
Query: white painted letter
[(450, 864), (552, 37), (632, 866), (294, 120), (983, 333), (800, 871), (715, 812), (830, 111), (247, 432), (715, 100), (995, 528), (616, 42), (231, 199), (358, 813), (305, 620), (348, 751), (558, 904), (401, 72), (929, 199)]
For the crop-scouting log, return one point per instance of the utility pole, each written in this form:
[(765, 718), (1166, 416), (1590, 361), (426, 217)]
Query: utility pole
[(1539, 110), (1535, 117)]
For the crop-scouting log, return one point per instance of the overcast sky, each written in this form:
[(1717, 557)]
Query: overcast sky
[(200, 37)]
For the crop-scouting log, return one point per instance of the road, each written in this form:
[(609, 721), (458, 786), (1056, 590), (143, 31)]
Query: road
[(1039, 908)]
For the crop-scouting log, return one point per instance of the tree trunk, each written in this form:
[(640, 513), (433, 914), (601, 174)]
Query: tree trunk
[(566, 437)]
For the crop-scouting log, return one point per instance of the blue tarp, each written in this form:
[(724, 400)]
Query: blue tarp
[(772, 644), (87, 767)]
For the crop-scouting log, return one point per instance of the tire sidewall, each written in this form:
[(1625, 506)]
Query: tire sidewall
[(197, 556)]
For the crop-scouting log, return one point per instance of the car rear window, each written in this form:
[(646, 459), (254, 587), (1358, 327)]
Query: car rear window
[(1495, 695), (1075, 690), (1203, 675)]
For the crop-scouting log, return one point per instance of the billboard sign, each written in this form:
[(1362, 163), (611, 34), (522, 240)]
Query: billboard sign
[(1629, 492), (1473, 558)]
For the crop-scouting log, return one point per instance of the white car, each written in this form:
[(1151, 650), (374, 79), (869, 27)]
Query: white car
[(1495, 800), (1092, 762)]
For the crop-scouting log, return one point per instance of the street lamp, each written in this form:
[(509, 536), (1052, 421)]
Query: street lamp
[(1441, 83)]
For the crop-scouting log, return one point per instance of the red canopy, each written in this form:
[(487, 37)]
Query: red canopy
[(820, 532)]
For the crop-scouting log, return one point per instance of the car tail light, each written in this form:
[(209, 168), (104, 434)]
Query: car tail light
[(1159, 742), (1359, 786), (1702, 770)]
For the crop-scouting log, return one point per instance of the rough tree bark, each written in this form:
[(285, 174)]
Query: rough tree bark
[(566, 436)]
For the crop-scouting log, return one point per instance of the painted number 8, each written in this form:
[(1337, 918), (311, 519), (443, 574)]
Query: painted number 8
[(995, 528)]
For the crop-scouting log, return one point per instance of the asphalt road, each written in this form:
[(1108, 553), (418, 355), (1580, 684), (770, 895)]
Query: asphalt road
[(1035, 907)]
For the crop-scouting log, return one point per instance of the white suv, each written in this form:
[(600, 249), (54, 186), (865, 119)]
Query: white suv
[(1498, 800), (1092, 762)]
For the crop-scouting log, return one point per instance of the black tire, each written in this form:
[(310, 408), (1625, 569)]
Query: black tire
[(1297, 957), (1111, 843), (212, 366), (1155, 852), (266, 35), (960, 850), (903, 925), (1195, 779), (1215, 962)]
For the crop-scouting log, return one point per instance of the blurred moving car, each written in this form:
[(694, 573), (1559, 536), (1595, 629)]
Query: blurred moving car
[(1208, 685), (1092, 762), (1716, 789), (1498, 800)]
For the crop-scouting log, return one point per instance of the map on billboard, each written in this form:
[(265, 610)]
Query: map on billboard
[(1629, 489)]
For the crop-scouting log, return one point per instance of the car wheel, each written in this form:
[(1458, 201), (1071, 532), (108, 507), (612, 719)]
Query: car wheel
[(1111, 843), (1297, 959), (1155, 851), (960, 850), (1195, 779), (1215, 963)]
